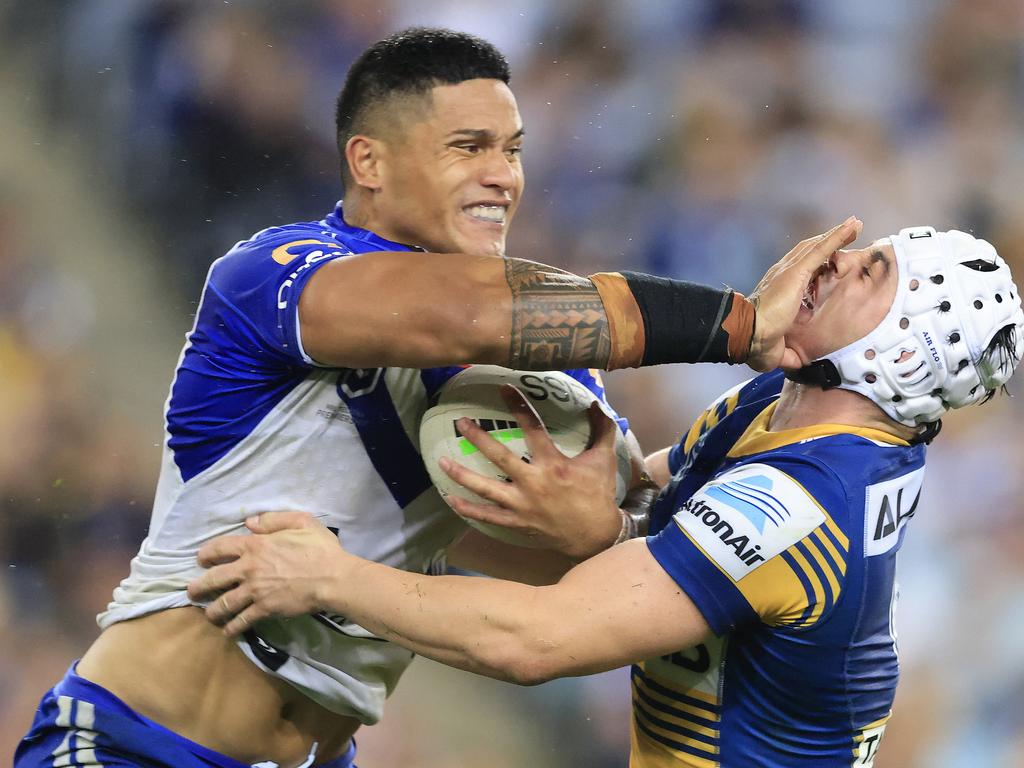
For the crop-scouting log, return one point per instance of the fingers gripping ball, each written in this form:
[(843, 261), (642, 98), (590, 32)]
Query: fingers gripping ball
[(560, 401)]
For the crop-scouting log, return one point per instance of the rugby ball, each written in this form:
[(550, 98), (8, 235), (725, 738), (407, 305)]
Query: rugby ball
[(560, 401)]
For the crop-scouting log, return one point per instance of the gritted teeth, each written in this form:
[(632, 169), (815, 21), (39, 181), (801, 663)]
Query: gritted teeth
[(494, 214)]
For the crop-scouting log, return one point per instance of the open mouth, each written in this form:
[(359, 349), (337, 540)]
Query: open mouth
[(488, 213), (810, 299), (810, 293)]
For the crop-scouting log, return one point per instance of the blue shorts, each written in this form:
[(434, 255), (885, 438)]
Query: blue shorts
[(80, 724)]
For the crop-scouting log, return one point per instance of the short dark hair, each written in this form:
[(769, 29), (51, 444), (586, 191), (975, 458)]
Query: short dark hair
[(411, 62)]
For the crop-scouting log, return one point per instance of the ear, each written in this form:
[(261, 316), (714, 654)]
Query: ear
[(364, 156)]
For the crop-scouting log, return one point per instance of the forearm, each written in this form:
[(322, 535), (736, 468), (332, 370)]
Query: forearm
[(657, 467), (501, 560), (636, 512), (611, 610), (621, 320), (635, 509), (423, 310), (479, 625)]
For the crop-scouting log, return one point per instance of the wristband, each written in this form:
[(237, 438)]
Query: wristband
[(628, 530), (654, 320), (634, 524)]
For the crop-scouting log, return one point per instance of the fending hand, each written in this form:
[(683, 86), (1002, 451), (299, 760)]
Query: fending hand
[(777, 297), (567, 505)]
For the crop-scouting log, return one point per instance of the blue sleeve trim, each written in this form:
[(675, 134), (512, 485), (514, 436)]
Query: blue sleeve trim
[(590, 381), (289, 294), (263, 294), (435, 378)]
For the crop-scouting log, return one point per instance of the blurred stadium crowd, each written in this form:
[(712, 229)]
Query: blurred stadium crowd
[(692, 138)]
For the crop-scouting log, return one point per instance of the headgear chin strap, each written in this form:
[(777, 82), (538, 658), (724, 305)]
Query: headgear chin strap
[(930, 353)]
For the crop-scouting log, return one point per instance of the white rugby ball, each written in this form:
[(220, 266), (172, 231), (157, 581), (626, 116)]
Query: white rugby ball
[(560, 401)]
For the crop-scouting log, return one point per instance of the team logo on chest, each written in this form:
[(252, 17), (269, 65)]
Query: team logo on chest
[(356, 382)]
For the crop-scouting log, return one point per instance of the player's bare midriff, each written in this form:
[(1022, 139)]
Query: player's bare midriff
[(179, 670)]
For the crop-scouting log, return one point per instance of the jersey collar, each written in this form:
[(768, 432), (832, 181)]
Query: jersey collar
[(336, 221), (757, 438)]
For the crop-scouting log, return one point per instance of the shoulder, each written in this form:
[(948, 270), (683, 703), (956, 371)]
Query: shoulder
[(753, 512), (750, 395), (250, 301), (736, 407), (759, 540), (277, 252)]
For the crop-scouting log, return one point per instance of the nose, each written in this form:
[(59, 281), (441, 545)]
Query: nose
[(848, 260), (499, 171)]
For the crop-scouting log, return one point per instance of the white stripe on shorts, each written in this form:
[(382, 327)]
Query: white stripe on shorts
[(85, 715), (64, 711), (84, 753)]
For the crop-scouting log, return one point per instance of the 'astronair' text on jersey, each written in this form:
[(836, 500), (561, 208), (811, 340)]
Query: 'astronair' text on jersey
[(786, 542)]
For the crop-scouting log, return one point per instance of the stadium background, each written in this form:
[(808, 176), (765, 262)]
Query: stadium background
[(691, 138)]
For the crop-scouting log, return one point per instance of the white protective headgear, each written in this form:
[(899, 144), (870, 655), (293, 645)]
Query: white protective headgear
[(954, 294)]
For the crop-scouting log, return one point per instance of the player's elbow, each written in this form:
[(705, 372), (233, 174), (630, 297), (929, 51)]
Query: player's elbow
[(531, 674), (524, 669), (527, 662)]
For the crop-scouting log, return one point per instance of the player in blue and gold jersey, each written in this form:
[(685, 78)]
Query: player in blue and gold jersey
[(759, 612), (316, 349)]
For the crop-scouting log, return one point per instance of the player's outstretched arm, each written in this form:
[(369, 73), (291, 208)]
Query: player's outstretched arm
[(419, 310), (613, 609)]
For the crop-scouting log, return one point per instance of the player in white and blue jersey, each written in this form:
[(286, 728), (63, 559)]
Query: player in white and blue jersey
[(759, 613), (314, 353)]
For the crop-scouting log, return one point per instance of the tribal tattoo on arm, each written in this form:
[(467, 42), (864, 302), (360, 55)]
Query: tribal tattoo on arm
[(558, 319)]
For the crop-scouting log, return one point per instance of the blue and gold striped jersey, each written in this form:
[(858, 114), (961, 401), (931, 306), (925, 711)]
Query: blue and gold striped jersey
[(786, 541)]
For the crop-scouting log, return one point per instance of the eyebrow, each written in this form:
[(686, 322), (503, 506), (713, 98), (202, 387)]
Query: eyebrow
[(878, 256), (482, 134)]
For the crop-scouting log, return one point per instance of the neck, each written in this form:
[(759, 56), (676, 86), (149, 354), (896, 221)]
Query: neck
[(359, 212), (802, 405)]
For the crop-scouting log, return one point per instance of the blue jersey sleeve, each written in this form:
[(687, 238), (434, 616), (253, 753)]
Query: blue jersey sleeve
[(252, 295), (708, 420), (591, 379), (244, 355), (759, 542)]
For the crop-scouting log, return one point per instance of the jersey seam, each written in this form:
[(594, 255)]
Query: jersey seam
[(862, 604)]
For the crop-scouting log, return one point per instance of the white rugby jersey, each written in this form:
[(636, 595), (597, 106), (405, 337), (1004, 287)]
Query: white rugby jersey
[(253, 424)]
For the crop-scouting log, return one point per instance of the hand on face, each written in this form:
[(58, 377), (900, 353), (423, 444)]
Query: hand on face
[(779, 295), (564, 504), (275, 572)]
